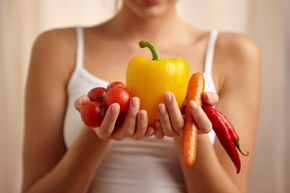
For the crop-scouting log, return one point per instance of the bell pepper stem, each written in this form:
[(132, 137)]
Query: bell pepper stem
[(145, 44)]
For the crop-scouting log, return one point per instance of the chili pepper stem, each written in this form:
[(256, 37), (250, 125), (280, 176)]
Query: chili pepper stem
[(237, 144), (145, 44)]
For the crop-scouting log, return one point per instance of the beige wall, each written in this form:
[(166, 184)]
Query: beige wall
[(268, 25), (21, 21), (287, 160)]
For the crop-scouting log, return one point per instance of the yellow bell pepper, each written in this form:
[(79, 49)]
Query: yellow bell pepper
[(150, 79)]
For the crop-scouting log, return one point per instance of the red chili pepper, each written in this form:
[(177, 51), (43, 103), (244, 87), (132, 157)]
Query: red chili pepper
[(221, 129), (234, 136)]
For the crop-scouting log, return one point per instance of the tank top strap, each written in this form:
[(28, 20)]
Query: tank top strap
[(79, 57), (79, 47), (209, 55)]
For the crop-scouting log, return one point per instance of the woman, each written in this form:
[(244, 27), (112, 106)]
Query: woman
[(62, 155)]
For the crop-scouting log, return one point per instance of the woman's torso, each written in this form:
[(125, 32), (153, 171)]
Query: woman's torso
[(147, 165)]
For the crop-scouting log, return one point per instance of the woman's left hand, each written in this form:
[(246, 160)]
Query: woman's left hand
[(172, 121)]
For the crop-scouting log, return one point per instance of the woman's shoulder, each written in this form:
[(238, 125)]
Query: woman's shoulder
[(56, 39), (54, 51), (236, 55), (237, 47), (61, 40), (230, 45)]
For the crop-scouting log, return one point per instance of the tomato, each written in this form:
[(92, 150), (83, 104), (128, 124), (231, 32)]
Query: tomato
[(91, 114), (96, 93), (116, 84), (118, 95), (116, 92), (120, 120)]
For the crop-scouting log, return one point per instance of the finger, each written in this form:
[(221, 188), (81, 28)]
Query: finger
[(150, 131), (200, 118), (108, 123), (210, 98), (175, 115), (165, 121), (80, 102), (128, 127), (158, 133), (142, 123)]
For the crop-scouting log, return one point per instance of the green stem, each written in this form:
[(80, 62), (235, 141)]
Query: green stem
[(145, 44), (103, 107), (237, 144), (102, 97), (96, 98)]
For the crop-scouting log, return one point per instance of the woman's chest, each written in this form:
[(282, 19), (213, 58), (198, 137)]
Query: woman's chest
[(111, 63)]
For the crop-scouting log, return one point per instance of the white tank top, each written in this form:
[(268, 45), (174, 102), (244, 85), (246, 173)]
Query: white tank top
[(129, 165)]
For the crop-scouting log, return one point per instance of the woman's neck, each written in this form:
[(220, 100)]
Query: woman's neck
[(165, 28)]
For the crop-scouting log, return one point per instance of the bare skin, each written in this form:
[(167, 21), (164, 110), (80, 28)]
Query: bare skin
[(50, 167)]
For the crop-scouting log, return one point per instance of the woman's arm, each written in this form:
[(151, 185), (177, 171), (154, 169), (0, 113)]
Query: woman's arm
[(238, 63), (48, 166), (239, 100)]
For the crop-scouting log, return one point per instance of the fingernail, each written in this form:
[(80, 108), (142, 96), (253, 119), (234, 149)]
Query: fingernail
[(168, 96), (162, 108), (81, 101), (115, 108), (135, 102), (150, 131), (143, 116), (193, 104)]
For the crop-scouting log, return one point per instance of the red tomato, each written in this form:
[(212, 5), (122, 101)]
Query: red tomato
[(95, 93), (116, 84), (118, 95), (91, 114), (120, 120)]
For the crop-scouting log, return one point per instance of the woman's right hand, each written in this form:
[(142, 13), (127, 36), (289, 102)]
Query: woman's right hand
[(134, 126)]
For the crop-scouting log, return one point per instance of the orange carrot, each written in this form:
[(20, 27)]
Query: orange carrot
[(190, 132)]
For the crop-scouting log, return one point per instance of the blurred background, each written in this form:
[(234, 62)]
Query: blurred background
[(266, 20)]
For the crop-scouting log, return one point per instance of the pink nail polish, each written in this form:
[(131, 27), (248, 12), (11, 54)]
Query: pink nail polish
[(135, 102), (115, 108), (162, 108), (168, 96), (193, 104), (143, 116), (150, 131)]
